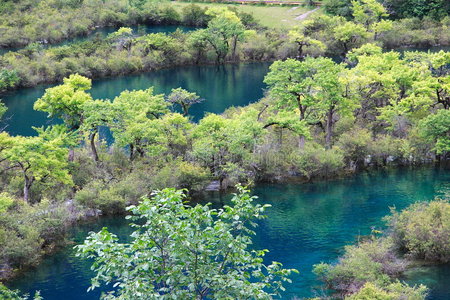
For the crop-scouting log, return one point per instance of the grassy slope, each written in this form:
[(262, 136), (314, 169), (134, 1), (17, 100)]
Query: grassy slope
[(271, 16)]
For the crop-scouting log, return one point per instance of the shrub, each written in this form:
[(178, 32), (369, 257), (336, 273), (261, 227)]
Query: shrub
[(370, 261), (423, 230), (393, 291), (316, 161), (355, 144), (6, 201)]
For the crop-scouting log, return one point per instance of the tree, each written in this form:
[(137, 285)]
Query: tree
[(66, 101), (350, 35), (223, 32), (183, 98), (135, 119), (436, 128), (122, 37), (8, 79), (311, 87), (302, 41), (96, 113), (184, 252), (224, 145), (40, 158)]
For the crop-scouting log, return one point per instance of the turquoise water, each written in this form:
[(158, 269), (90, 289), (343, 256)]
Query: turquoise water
[(307, 224), (220, 86), (103, 32)]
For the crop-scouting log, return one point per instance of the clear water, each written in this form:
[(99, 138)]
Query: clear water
[(307, 224), (220, 86), (104, 31)]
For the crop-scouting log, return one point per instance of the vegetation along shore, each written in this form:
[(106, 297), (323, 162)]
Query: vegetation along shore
[(338, 101)]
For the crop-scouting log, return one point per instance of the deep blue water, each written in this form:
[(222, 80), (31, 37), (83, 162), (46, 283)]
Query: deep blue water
[(220, 86), (307, 224)]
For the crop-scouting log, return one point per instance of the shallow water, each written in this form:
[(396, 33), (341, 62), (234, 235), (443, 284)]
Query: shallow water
[(307, 224)]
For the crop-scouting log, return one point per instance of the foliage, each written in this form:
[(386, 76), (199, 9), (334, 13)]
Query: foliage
[(369, 270), (183, 98), (393, 291), (8, 79), (422, 230), (38, 158), (436, 128), (7, 294), (187, 252)]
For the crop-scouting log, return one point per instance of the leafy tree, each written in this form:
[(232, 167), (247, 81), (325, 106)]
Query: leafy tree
[(350, 35), (312, 87), (302, 41), (224, 144), (96, 113), (135, 122), (186, 252), (223, 33), (183, 98), (8, 79), (436, 128), (122, 37), (66, 101), (39, 158), (368, 12)]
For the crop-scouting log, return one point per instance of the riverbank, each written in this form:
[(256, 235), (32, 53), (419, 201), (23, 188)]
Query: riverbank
[(127, 53), (307, 224)]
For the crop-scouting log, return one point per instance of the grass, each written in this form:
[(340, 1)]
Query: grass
[(273, 16)]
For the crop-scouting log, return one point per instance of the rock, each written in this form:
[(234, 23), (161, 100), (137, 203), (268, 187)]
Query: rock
[(213, 186)]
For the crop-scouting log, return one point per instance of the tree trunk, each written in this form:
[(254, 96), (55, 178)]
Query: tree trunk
[(233, 53), (93, 148), (131, 151), (26, 188), (71, 154), (329, 129), (301, 142)]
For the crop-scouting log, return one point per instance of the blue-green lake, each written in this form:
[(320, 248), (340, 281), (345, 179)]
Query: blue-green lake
[(102, 32), (307, 224)]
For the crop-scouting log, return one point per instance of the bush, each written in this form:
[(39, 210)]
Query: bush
[(98, 195), (370, 261), (355, 145), (393, 291), (21, 242), (423, 230), (316, 161), (6, 201)]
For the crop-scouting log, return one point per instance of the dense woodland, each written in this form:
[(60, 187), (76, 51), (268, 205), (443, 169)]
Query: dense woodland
[(338, 101)]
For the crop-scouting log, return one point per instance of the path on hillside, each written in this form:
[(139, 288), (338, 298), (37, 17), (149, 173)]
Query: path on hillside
[(303, 16)]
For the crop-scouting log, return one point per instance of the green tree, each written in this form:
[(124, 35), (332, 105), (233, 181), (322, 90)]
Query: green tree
[(183, 98), (311, 87), (40, 158), (8, 79), (135, 121), (96, 113), (436, 128), (223, 33), (66, 101), (297, 37), (184, 252)]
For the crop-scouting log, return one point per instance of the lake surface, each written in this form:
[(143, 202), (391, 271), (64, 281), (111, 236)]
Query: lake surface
[(104, 31), (307, 224), (220, 86)]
